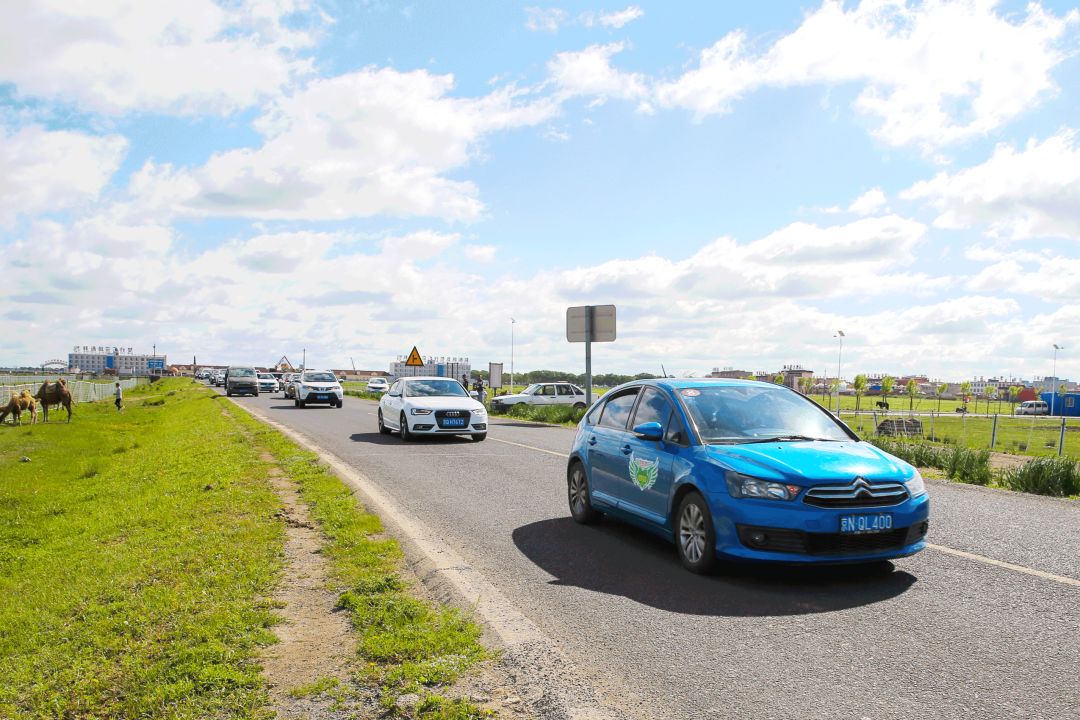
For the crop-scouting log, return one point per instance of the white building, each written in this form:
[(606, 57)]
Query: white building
[(451, 367), (122, 361)]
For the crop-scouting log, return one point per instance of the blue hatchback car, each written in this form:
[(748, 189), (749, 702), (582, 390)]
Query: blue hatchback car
[(743, 470)]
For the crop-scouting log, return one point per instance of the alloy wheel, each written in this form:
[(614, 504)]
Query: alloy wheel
[(692, 533)]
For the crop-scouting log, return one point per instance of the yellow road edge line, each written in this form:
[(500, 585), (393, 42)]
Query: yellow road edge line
[(1007, 565), (529, 447)]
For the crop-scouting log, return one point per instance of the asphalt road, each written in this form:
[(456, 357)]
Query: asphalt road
[(941, 636)]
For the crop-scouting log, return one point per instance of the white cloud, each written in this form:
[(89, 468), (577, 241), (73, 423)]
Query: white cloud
[(371, 142), (480, 253), (589, 72), (1017, 194), (50, 171), (612, 19), (869, 202), (540, 19), (932, 74), (175, 56)]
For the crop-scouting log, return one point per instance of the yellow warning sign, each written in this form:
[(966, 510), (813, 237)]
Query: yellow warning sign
[(414, 359)]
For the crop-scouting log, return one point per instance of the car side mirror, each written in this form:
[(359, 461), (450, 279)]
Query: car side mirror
[(649, 431)]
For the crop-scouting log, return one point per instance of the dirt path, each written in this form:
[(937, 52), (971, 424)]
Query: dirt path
[(316, 645)]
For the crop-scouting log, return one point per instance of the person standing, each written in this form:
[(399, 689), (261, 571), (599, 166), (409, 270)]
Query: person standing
[(119, 398), (479, 387)]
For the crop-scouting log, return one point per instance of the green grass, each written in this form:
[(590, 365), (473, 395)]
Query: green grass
[(135, 549), (959, 463), (558, 414), (1046, 476), (406, 645), (138, 553)]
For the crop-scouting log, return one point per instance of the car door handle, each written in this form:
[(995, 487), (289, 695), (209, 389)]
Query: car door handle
[(626, 450), (592, 440)]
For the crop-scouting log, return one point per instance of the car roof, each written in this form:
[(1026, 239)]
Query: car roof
[(428, 377), (680, 383)]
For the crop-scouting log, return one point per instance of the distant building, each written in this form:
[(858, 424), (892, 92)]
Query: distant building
[(730, 373), (793, 373), (451, 367), (1067, 404), (114, 360)]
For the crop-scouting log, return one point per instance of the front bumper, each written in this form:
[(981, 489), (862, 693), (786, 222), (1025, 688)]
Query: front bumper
[(436, 424), (765, 530), (315, 396)]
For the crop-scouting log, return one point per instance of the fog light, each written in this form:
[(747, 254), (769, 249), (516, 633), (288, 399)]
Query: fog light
[(758, 538)]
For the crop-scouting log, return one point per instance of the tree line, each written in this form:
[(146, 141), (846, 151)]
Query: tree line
[(540, 376)]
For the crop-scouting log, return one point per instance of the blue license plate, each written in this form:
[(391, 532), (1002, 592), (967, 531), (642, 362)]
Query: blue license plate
[(453, 422), (320, 397), (863, 524)]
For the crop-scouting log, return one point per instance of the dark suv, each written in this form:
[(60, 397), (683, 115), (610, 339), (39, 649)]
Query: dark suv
[(241, 379)]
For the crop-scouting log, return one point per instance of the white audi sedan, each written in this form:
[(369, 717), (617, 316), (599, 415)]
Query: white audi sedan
[(419, 406)]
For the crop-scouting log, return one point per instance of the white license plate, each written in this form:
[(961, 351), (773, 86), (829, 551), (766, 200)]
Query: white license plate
[(860, 524)]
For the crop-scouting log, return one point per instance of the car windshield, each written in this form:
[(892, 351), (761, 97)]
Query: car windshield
[(434, 388), (242, 372), (319, 377), (265, 376), (531, 389), (753, 413)]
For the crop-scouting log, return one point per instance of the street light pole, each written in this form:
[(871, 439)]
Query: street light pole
[(839, 355), (513, 322), (1053, 386)]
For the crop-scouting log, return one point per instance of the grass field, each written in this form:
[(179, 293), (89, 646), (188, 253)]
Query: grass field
[(138, 551)]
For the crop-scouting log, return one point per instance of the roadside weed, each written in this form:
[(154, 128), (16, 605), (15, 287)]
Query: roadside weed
[(1046, 476)]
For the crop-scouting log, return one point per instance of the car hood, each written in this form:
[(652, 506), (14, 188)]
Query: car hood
[(515, 396), (810, 463), (444, 403)]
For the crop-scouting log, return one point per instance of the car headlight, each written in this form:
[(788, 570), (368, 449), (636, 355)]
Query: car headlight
[(744, 486), (915, 485), (420, 411), (480, 411)]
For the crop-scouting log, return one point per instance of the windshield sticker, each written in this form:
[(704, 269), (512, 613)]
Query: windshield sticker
[(691, 392), (643, 472)]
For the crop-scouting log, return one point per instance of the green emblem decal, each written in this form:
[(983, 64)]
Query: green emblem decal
[(643, 472)]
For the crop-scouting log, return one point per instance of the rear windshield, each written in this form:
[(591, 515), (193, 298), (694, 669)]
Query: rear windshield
[(434, 388), (242, 372)]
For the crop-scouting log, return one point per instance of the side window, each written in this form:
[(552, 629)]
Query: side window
[(395, 389), (594, 414), (654, 407), (617, 410), (675, 431), (548, 391), (564, 389)]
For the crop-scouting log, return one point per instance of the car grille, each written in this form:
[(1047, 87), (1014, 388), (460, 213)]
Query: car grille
[(804, 543), (442, 415), (858, 493)]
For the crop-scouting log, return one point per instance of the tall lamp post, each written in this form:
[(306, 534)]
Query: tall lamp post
[(839, 355), (1053, 386), (513, 322)]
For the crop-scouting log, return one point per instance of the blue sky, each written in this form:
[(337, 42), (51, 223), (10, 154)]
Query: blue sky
[(245, 179)]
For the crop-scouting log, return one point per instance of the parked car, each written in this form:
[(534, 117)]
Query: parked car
[(267, 382), (743, 470), (378, 384), (241, 379), (1033, 407), (554, 393), (418, 406), (317, 386)]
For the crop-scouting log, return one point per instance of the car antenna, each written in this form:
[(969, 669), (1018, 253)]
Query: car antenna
[(663, 370)]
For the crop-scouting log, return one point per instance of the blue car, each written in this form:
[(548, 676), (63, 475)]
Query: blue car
[(745, 471)]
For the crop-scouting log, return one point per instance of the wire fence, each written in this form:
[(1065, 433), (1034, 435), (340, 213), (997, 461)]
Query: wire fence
[(81, 390), (1016, 434)]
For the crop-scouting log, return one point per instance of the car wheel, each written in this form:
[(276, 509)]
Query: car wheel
[(695, 538), (579, 406), (228, 393), (577, 492), (404, 428), (340, 403), (296, 402), (382, 428), (301, 403), (256, 393), (479, 437)]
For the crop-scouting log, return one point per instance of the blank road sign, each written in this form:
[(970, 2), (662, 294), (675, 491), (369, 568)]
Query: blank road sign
[(603, 329)]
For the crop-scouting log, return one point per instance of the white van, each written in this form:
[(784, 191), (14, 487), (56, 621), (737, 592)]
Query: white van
[(1033, 407)]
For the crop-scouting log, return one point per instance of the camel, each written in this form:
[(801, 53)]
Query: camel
[(16, 405), (56, 393)]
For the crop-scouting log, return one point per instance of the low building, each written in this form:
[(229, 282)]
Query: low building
[(452, 367), (114, 361), (1065, 404), (730, 373)]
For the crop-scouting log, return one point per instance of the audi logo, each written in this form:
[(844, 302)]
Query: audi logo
[(453, 413)]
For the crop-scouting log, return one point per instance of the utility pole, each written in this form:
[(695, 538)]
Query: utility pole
[(839, 355), (513, 322)]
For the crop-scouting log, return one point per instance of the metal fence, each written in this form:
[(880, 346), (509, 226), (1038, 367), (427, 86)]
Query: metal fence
[(81, 390), (1017, 434)]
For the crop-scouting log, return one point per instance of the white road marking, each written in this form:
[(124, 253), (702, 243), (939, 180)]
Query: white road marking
[(1007, 565), (529, 447)]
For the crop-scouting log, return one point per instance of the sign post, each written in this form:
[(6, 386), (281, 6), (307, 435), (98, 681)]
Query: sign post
[(589, 324), (495, 378)]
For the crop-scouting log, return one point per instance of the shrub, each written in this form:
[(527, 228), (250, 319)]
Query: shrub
[(1045, 476), (959, 463), (546, 413)]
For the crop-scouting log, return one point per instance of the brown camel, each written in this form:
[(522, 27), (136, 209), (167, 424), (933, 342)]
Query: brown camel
[(17, 404), (56, 393)]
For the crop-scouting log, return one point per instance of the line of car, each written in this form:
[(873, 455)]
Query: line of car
[(309, 387), (727, 470)]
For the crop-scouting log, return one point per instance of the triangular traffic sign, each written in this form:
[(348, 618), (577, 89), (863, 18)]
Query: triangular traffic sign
[(414, 359)]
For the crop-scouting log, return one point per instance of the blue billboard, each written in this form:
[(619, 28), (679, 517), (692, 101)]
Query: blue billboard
[(155, 364)]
